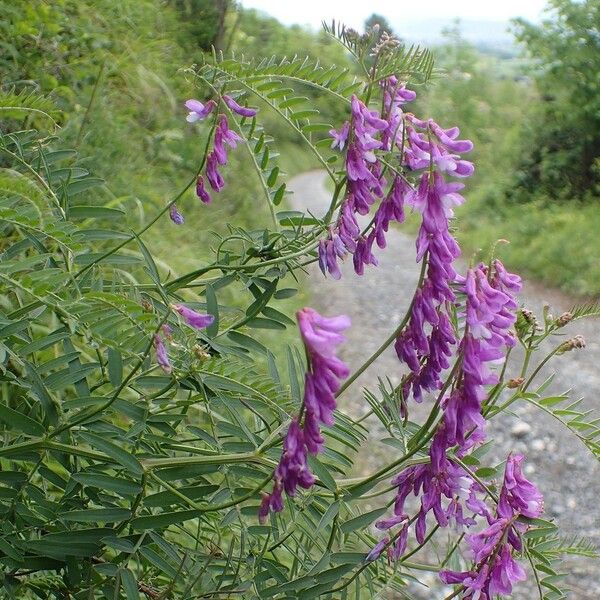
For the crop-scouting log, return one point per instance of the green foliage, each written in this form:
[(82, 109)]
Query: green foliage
[(561, 158), (118, 478), (499, 108), (121, 479)]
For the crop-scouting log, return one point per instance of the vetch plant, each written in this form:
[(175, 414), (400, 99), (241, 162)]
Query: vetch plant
[(153, 445)]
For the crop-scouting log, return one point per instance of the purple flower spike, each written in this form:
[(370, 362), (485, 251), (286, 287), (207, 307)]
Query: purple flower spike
[(320, 335), (201, 190), (162, 358), (175, 215), (243, 111), (198, 111), (496, 570), (192, 318)]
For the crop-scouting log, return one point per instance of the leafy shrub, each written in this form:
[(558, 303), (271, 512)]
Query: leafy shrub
[(142, 416)]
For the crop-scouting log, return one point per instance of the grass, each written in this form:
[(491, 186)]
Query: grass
[(557, 244)]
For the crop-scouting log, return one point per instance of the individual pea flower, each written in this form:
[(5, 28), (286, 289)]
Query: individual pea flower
[(340, 137), (198, 111), (385, 524), (224, 135), (377, 549), (399, 546), (518, 494), (201, 190), (243, 111), (212, 172), (175, 215), (193, 318), (162, 357)]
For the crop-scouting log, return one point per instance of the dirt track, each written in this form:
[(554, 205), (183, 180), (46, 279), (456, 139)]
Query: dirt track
[(556, 460)]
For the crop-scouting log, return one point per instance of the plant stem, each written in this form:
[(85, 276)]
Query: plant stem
[(388, 341)]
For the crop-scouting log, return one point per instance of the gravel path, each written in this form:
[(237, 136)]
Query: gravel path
[(559, 463)]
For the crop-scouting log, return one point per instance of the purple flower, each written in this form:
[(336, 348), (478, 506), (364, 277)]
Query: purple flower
[(339, 138), (193, 318), (377, 549), (201, 190), (198, 111), (175, 215), (518, 495), (398, 549), (321, 336), (224, 135), (363, 254), (263, 511), (388, 523), (162, 358), (328, 257), (212, 172), (495, 570), (243, 111)]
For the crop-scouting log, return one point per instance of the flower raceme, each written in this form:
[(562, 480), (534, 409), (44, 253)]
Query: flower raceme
[(445, 488), (223, 137), (495, 570), (320, 336), (423, 146)]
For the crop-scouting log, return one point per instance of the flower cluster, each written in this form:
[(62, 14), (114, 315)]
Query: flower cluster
[(425, 344), (445, 488), (192, 318), (223, 137), (321, 336), (365, 184), (490, 315), (495, 569)]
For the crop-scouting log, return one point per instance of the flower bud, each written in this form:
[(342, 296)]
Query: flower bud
[(515, 383), (525, 321), (565, 318), (575, 342), (528, 315), (200, 352)]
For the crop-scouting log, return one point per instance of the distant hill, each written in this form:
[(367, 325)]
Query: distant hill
[(491, 35)]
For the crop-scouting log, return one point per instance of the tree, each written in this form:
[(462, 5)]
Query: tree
[(563, 146), (380, 20)]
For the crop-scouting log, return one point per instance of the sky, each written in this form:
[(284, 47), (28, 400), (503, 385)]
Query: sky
[(353, 13)]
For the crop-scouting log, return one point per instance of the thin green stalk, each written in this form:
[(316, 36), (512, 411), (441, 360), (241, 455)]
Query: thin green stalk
[(122, 386), (388, 341), (90, 104), (215, 459), (152, 221)]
